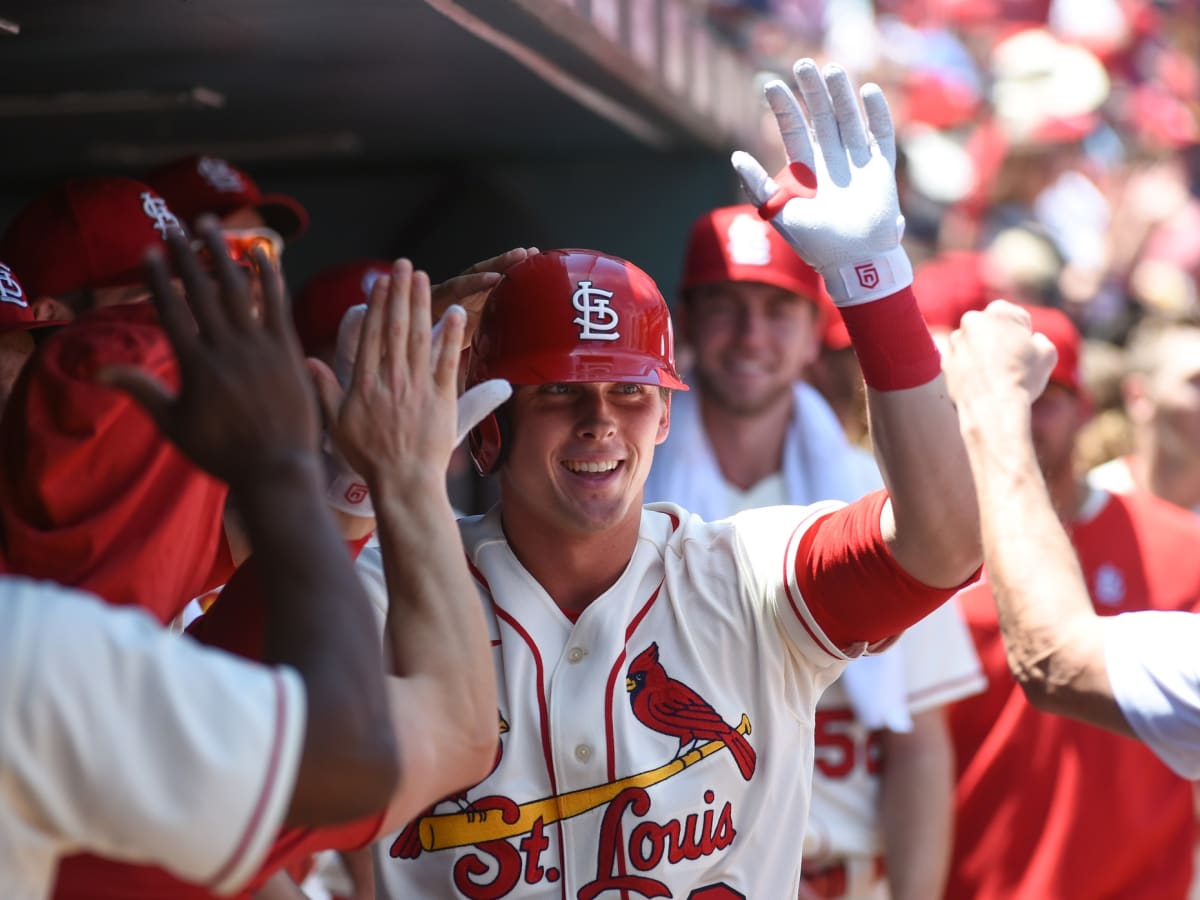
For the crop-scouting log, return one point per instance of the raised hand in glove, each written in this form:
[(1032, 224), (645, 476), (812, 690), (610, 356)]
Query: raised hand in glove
[(835, 202)]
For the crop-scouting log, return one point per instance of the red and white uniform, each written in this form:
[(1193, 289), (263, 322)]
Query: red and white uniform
[(1050, 807), (937, 666), (590, 796), (933, 663), (99, 715)]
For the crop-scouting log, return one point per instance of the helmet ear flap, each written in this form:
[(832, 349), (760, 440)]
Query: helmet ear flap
[(488, 442)]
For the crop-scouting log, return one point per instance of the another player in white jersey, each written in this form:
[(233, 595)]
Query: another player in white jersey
[(1136, 673), (658, 674), (102, 720), (106, 742)]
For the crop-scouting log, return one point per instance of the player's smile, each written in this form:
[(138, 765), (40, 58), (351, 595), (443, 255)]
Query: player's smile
[(593, 469)]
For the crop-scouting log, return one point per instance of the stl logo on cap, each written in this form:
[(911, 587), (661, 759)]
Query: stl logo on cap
[(10, 288), (155, 208), (220, 175), (592, 302), (749, 241)]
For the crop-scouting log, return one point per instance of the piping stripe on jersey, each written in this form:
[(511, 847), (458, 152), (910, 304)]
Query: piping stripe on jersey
[(791, 581), (609, 725), (543, 710), (281, 713)]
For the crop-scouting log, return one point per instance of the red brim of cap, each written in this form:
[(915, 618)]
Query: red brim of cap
[(13, 327), (284, 215)]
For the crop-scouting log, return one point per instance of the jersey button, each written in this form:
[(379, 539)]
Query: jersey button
[(583, 753), (575, 654)]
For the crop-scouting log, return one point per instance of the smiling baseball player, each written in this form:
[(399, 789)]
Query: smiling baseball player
[(659, 674)]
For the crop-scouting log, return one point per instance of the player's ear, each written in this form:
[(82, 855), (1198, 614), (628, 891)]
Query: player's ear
[(664, 419)]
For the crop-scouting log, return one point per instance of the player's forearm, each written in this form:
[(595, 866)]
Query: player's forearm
[(435, 627), (916, 807), (319, 621), (934, 529), (1051, 633)]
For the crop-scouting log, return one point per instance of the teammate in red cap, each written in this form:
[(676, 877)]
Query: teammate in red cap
[(1134, 674), (80, 245), (18, 330), (752, 433), (198, 185), (1032, 787), (751, 617)]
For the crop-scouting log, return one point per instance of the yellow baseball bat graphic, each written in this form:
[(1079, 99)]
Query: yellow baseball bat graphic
[(463, 829)]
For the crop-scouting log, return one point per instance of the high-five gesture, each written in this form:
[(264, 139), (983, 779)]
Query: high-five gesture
[(836, 200), (399, 409), (244, 401)]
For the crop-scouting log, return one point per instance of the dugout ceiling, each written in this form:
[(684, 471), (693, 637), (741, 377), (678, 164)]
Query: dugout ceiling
[(103, 85)]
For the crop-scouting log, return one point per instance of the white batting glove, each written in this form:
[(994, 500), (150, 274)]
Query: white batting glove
[(347, 491), (480, 401), (836, 201)]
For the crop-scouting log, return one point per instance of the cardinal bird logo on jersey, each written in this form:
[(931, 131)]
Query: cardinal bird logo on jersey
[(672, 708), (408, 842)]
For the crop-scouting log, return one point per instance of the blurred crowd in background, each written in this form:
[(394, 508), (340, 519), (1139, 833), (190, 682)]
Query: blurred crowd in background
[(1049, 154)]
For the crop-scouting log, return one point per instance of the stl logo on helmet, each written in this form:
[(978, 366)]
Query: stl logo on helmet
[(156, 210), (10, 289), (597, 320)]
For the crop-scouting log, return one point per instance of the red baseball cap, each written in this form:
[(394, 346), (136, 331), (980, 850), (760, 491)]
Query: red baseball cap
[(15, 312), (733, 243), (318, 309), (1056, 325), (196, 185), (86, 233), (949, 285)]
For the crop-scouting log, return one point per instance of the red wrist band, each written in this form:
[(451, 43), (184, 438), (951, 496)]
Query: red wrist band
[(892, 342)]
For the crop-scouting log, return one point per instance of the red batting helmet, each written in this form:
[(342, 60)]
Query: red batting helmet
[(570, 316)]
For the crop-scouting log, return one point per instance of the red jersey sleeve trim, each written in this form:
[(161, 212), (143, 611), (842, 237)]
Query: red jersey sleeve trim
[(282, 712), (852, 585)]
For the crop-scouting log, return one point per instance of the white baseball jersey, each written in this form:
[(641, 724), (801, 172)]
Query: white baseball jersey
[(1153, 662), (102, 712), (661, 745), (939, 665)]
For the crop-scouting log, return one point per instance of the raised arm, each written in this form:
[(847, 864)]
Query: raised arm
[(397, 425), (1053, 638), (245, 412), (836, 203)]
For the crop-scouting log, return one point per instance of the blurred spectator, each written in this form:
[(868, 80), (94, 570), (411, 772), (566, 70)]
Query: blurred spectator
[(1162, 400)]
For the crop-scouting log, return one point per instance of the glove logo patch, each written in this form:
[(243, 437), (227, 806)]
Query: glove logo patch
[(597, 320), (356, 493), (868, 275)]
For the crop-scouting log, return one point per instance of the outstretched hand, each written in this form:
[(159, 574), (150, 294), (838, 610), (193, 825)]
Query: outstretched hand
[(244, 403), (836, 201), (993, 363), (399, 412)]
